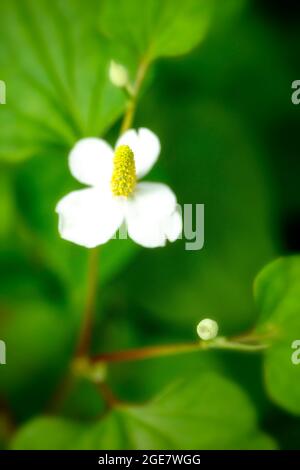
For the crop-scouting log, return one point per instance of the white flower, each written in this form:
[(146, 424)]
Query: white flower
[(207, 329), (91, 216)]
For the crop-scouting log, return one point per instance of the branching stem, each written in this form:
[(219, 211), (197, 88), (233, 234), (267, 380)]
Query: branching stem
[(151, 352)]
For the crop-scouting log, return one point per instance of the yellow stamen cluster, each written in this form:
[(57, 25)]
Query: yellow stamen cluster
[(123, 179)]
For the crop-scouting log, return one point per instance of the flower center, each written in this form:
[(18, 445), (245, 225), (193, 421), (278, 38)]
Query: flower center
[(123, 179)]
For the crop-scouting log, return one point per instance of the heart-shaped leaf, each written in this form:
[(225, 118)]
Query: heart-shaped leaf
[(277, 292)]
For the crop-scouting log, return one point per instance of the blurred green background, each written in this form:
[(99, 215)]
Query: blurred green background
[(229, 135)]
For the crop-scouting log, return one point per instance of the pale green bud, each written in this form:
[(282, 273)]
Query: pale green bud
[(207, 329), (118, 74)]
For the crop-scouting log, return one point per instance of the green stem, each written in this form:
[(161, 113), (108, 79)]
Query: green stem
[(89, 312), (131, 107), (173, 349), (223, 343), (147, 352)]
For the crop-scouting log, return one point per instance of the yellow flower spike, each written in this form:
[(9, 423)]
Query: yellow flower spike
[(123, 179)]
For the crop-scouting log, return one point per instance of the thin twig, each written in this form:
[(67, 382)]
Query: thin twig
[(151, 352), (147, 352), (131, 108)]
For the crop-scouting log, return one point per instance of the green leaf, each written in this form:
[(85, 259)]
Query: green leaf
[(83, 401), (39, 340), (59, 90), (155, 28), (206, 412), (47, 433), (7, 206), (277, 292), (258, 441)]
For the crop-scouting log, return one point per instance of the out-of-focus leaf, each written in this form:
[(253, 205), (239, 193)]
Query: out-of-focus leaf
[(68, 96), (39, 341), (83, 401), (7, 207), (48, 433), (277, 292), (206, 412), (58, 91), (155, 28), (141, 380), (258, 441)]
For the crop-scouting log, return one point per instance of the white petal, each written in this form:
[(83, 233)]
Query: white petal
[(89, 217), (155, 199), (150, 215), (91, 161), (173, 226), (145, 146)]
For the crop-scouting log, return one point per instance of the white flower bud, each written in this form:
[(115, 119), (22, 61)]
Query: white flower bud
[(207, 329), (118, 74)]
